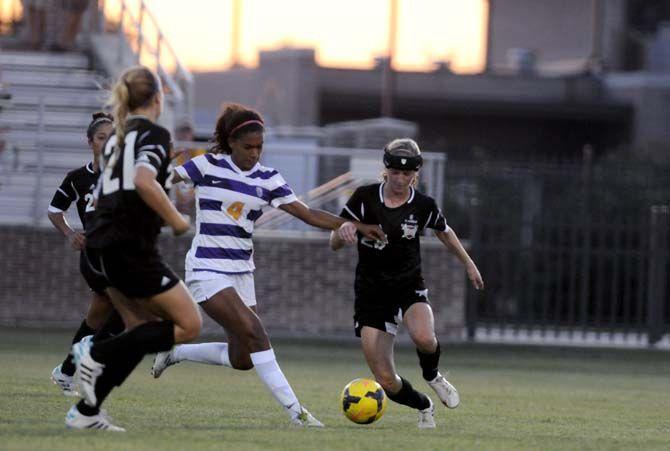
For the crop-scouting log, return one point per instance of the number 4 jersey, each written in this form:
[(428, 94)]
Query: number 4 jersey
[(77, 187), (121, 217), (228, 202)]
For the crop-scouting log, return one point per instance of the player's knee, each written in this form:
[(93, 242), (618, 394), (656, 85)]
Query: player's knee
[(254, 336), (191, 328), (425, 342), (387, 379)]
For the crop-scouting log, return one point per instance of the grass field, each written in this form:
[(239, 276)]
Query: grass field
[(512, 398)]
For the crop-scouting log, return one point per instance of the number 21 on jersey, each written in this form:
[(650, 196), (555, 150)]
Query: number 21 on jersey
[(124, 178)]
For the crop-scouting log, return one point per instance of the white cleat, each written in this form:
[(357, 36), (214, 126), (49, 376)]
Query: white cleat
[(88, 371), (445, 391), (64, 382), (427, 417), (305, 419), (162, 360), (76, 420)]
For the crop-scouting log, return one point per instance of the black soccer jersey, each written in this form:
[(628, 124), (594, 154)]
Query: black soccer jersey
[(77, 187), (397, 263), (121, 217)]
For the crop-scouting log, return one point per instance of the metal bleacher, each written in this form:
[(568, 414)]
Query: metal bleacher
[(52, 98)]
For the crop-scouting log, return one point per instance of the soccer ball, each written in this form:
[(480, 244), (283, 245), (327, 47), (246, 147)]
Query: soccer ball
[(363, 401)]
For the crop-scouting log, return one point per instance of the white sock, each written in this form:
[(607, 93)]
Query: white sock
[(211, 353), (268, 370)]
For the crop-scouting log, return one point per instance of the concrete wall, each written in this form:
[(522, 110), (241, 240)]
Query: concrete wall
[(302, 287)]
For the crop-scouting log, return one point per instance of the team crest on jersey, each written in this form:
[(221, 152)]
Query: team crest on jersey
[(259, 191), (409, 227), (375, 244)]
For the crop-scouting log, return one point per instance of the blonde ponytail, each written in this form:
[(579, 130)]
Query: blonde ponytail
[(135, 88), (119, 100)]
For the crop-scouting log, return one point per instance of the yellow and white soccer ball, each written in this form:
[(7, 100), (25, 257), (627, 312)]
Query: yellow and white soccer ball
[(363, 401)]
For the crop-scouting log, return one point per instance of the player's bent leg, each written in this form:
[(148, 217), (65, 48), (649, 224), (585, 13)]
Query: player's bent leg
[(378, 352), (241, 322), (98, 311), (229, 311), (147, 337), (177, 305), (420, 322)]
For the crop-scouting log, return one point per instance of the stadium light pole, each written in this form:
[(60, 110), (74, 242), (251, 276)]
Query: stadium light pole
[(235, 32), (387, 70)]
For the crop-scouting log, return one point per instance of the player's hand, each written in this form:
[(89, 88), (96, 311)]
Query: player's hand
[(77, 241), (372, 231), (182, 226), (347, 232), (474, 276)]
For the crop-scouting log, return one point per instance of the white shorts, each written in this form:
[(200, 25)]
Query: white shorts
[(203, 288)]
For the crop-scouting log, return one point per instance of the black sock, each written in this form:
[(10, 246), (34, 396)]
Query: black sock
[(67, 366), (115, 373), (154, 336), (87, 410), (407, 396), (113, 326), (429, 363)]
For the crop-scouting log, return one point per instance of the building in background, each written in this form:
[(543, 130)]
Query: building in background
[(576, 73)]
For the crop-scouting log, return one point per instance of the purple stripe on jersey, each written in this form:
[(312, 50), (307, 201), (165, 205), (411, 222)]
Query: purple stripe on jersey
[(263, 175), (222, 253), (220, 163), (253, 215), (250, 190), (221, 272), (209, 204), (193, 172), (282, 191), (238, 187), (210, 228)]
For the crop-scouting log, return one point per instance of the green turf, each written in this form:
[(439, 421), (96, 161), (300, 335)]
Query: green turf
[(512, 398)]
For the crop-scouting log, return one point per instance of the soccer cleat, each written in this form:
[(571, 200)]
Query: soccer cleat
[(161, 361), (76, 420), (64, 382), (427, 417), (305, 419), (88, 371), (445, 391)]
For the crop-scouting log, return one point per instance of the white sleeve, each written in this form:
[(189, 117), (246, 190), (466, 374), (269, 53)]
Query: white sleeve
[(194, 170), (282, 193)]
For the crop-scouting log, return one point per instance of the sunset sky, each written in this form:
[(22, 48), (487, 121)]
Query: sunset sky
[(347, 33)]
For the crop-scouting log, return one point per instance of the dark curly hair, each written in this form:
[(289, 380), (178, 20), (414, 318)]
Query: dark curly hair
[(235, 121)]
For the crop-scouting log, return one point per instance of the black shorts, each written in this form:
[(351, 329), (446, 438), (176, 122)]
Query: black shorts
[(384, 307), (136, 273), (96, 280)]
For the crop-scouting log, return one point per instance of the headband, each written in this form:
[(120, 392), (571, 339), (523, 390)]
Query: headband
[(244, 124), (403, 163), (99, 121), (95, 123)]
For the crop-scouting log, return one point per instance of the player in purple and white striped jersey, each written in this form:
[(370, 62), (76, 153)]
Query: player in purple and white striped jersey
[(231, 189)]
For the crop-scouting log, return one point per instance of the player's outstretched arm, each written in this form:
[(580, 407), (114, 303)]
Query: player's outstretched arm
[(154, 196), (324, 220), (451, 241)]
